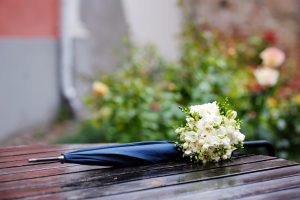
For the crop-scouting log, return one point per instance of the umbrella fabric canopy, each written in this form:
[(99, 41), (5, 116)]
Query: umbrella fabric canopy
[(133, 154), (130, 154)]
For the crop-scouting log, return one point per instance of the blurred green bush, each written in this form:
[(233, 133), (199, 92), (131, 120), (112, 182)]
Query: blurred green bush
[(140, 101)]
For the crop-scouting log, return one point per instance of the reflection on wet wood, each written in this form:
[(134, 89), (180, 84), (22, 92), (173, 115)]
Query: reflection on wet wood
[(249, 177)]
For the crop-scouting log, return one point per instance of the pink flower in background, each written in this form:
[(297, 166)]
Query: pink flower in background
[(266, 77), (272, 57)]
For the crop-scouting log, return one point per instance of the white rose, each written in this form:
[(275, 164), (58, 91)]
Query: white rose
[(230, 129), (237, 137), (201, 142), (226, 142), (266, 77), (205, 146), (179, 130), (185, 145), (224, 157), (241, 137), (209, 108), (187, 152), (222, 131), (190, 136), (190, 122)]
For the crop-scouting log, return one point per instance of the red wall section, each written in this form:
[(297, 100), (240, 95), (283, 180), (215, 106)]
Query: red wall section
[(29, 18)]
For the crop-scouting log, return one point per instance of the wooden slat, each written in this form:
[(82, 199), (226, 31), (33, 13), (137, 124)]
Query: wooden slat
[(117, 178), (211, 184), (47, 172), (19, 155), (96, 189), (30, 168), (19, 163), (247, 190), (45, 148), (24, 147), (73, 177), (98, 175), (11, 159), (288, 194)]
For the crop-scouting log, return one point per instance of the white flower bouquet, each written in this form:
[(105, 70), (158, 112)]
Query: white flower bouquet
[(211, 133)]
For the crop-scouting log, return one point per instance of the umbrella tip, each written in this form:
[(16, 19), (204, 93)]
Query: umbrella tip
[(32, 160)]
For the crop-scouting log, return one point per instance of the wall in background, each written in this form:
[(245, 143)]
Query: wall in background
[(29, 92), (101, 48), (29, 18), (156, 22)]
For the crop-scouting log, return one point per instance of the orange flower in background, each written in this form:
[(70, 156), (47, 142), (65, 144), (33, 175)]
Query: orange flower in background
[(99, 89), (272, 57), (266, 77), (296, 99), (171, 86), (272, 102), (231, 51)]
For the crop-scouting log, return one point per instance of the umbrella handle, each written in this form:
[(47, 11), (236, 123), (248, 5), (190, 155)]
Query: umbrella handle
[(48, 159), (261, 143)]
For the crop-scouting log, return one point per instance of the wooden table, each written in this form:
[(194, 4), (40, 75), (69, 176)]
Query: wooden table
[(246, 177)]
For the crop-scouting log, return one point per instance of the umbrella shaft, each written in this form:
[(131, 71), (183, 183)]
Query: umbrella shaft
[(48, 159)]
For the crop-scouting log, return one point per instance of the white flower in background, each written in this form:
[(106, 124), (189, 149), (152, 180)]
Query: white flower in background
[(209, 134), (272, 57), (266, 77)]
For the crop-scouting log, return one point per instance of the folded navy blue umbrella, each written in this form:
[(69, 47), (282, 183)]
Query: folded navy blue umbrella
[(133, 154)]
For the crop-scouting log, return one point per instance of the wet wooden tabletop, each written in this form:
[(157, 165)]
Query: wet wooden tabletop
[(245, 177)]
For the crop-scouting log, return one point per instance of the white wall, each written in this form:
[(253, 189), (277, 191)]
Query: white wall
[(156, 22), (29, 84)]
